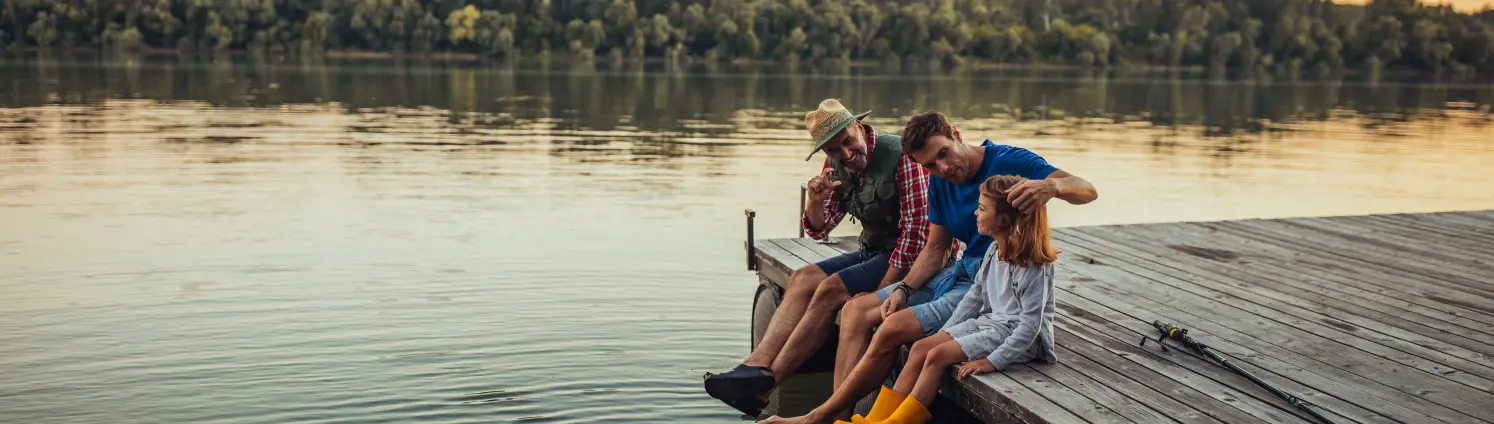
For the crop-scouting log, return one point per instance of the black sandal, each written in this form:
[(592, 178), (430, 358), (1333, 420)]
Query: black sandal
[(740, 383), (750, 405)]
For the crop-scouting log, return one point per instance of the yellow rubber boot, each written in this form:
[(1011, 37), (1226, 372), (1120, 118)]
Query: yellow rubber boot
[(887, 402), (910, 412)]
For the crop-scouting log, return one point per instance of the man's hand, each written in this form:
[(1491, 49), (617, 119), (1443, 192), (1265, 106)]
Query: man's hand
[(894, 303), (1030, 195), (976, 367), (821, 187)]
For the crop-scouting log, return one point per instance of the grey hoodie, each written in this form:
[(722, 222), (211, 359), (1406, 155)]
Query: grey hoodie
[(1019, 297)]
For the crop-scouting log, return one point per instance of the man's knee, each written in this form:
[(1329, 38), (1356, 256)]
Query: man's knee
[(899, 329), (860, 313), (831, 292), (805, 279)]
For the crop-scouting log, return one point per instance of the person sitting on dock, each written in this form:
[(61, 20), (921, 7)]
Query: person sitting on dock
[(958, 170), (865, 175), (1005, 319)]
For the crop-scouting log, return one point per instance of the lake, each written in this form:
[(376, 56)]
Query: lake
[(248, 241)]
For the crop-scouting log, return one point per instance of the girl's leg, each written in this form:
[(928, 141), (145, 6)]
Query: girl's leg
[(936, 360), (934, 365), (911, 370)]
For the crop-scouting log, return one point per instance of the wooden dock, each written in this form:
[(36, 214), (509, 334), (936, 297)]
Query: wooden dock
[(1374, 319)]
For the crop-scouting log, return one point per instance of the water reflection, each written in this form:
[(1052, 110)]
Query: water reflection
[(407, 241), (656, 98)]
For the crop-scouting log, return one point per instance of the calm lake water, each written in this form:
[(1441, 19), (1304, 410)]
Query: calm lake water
[(245, 242)]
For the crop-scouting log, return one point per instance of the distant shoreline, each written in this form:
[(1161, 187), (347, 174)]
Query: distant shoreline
[(473, 57)]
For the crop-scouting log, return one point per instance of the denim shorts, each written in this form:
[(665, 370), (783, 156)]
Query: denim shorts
[(861, 271), (936, 301)]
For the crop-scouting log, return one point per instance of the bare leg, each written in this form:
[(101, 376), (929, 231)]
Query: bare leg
[(913, 369), (934, 366), (796, 298), (856, 321), (810, 334), (899, 329)]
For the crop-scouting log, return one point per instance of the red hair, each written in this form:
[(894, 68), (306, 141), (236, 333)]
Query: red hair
[(1021, 239)]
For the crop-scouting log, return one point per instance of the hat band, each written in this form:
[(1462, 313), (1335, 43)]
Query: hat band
[(834, 121)]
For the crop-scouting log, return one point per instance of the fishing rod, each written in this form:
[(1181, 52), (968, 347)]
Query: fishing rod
[(1168, 331)]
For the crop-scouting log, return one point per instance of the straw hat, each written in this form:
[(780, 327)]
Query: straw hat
[(827, 121)]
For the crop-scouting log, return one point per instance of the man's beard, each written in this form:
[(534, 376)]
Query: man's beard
[(856, 162)]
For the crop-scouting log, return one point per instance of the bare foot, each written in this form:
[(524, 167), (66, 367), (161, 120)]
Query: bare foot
[(813, 417)]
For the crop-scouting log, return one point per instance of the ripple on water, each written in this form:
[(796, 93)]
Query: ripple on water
[(341, 257)]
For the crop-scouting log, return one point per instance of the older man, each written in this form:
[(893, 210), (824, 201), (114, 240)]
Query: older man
[(867, 176)]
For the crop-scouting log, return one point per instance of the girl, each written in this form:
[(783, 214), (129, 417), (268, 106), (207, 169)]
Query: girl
[(1006, 318)]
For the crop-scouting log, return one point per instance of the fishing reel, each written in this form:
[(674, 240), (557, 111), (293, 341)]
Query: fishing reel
[(1165, 331)]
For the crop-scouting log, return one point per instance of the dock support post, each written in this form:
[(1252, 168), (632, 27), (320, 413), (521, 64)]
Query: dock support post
[(751, 250), (803, 190)]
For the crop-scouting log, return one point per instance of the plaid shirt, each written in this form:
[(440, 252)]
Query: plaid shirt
[(913, 183)]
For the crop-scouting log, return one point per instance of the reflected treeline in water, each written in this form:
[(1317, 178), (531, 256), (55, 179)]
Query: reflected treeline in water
[(293, 230), (715, 106)]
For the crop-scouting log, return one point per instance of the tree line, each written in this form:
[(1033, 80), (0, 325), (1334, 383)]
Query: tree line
[(1277, 35)]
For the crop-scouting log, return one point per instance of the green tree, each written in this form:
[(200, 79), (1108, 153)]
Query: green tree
[(43, 29), (1287, 35), (494, 33), (463, 24), (316, 32), (792, 46), (428, 32)]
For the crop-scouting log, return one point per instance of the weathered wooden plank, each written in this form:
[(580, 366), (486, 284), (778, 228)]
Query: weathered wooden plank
[(1426, 267), (1487, 214), (1340, 378), (799, 250), (1456, 227), (1337, 253), (1137, 287), (1183, 369), (1481, 221), (1294, 371), (1101, 393), (1475, 266), (1062, 395), (1427, 233), (1440, 269), (992, 411), (1251, 249), (1016, 399), (1433, 245), (1247, 283), (1159, 270), (1178, 401), (1417, 324), (1435, 286), (847, 243), (787, 260), (776, 264), (1358, 270), (823, 250)]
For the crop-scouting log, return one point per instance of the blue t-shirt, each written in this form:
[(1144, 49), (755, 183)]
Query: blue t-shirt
[(953, 205)]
